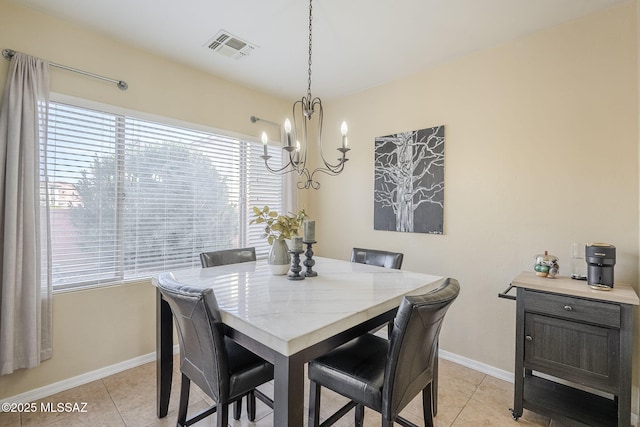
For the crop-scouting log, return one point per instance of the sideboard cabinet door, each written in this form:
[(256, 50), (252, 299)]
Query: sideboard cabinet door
[(578, 352)]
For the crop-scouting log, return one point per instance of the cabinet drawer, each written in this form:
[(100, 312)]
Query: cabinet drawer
[(570, 308)]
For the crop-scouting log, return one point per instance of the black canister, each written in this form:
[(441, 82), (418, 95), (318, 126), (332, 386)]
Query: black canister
[(600, 258)]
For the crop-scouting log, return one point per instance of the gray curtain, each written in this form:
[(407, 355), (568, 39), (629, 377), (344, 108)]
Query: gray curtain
[(25, 292)]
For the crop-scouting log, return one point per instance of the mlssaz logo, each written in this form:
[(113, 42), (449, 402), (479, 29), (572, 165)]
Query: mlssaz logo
[(63, 407)]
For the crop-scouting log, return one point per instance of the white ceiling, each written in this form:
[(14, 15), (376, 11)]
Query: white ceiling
[(356, 43)]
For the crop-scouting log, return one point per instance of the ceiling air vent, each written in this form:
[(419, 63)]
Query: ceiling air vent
[(229, 45)]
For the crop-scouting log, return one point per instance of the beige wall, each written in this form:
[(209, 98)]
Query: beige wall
[(92, 329), (541, 151), (101, 327)]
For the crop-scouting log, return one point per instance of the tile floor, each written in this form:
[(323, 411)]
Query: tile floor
[(466, 398)]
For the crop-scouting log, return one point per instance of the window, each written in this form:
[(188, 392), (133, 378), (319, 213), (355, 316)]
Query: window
[(130, 197)]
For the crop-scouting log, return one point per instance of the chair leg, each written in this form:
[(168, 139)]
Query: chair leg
[(427, 405), (184, 400), (223, 416), (251, 405), (314, 404), (237, 409), (434, 388), (359, 415)]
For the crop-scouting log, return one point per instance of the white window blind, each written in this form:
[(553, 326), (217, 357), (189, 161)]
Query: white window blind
[(130, 197)]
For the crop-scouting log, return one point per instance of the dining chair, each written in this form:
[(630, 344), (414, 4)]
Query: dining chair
[(385, 375), (227, 256), (381, 259), (377, 257), (223, 369)]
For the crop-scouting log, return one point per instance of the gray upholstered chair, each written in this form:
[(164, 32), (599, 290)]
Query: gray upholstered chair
[(376, 257), (385, 375), (223, 369), (227, 256)]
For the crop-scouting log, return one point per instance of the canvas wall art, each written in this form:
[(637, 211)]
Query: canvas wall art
[(409, 181)]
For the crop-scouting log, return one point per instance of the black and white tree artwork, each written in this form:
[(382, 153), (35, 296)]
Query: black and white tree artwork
[(409, 181)]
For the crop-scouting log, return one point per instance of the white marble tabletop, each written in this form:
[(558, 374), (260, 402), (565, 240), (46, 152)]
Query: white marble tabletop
[(289, 316)]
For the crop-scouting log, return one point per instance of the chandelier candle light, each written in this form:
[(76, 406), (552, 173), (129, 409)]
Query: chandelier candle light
[(303, 112)]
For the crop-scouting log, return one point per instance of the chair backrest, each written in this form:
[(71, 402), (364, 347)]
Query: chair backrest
[(376, 257), (227, 256), (203, 356), (414, 345)]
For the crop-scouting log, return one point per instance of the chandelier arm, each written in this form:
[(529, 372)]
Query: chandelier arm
[(335, 168), (330, 172), (304, 140), (283, 170), (280, 171)]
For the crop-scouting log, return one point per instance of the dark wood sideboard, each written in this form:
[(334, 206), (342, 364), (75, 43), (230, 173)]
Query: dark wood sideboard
[(573, 350)]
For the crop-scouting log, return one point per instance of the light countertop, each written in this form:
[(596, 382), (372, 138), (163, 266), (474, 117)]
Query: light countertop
[(621, 292)]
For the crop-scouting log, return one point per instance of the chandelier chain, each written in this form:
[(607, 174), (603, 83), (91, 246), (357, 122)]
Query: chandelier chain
[(310, 21)]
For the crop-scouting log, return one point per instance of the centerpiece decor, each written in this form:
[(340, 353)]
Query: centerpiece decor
[(277, 228), (309, 240)]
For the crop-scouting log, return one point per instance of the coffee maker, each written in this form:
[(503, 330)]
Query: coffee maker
[(600, 258)]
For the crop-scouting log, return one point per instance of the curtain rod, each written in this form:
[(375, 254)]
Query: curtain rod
[(8, 54), (258, 119)]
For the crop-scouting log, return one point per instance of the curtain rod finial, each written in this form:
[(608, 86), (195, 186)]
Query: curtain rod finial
[(8, 53)]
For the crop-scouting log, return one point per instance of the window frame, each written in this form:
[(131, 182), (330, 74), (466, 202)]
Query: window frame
[(244, 202)]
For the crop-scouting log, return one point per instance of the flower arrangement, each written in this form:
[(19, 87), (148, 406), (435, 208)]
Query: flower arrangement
[(277, 227)]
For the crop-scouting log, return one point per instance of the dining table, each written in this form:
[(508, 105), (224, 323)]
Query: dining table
[(290, 322)]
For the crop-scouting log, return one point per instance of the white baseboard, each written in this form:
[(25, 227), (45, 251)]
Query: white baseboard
[(98, 374), (477, 366)]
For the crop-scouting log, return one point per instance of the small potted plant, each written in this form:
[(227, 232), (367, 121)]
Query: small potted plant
[(277, 228)]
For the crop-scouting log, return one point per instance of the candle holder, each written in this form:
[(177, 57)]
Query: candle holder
[(295, 266), (309, 262)]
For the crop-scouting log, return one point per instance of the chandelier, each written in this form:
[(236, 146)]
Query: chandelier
[(295, 153)]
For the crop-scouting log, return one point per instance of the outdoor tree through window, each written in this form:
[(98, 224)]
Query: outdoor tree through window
[(129, 198)]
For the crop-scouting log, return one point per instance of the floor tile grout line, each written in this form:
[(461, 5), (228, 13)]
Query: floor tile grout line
[(467, 401), (114, 402)]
